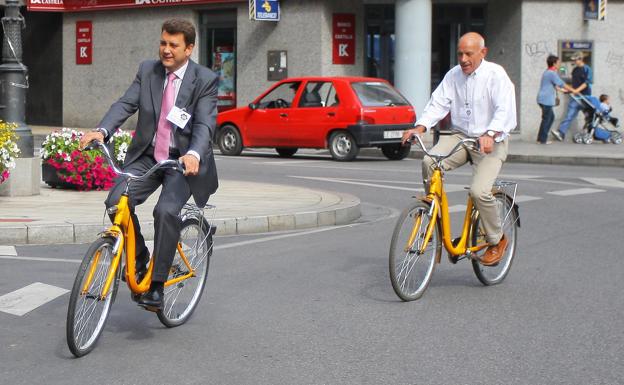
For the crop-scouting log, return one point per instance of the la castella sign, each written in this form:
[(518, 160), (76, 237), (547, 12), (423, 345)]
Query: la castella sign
[(94, 5)]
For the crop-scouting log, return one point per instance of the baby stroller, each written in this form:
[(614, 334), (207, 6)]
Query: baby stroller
[(595, 119)]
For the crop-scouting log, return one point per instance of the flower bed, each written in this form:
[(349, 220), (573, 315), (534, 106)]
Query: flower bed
[(8, 149), (82, 170)]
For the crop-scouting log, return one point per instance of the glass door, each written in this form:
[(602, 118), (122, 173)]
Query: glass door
[(218, 52), (380, 41)]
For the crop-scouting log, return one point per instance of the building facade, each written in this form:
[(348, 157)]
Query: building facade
[(411, 43)]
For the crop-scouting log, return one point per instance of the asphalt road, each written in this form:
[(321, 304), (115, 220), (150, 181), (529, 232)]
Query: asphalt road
[(317, 307)]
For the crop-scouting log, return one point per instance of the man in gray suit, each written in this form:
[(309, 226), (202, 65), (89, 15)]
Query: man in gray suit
[(157, 85)]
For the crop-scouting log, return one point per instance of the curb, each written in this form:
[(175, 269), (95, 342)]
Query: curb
[(528, 158), (344, 212)]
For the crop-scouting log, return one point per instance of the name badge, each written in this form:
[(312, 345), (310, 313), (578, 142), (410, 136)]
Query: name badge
[(178, 117)]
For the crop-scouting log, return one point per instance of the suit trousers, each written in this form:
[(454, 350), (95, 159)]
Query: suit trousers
[(485, 171), (167, 224)]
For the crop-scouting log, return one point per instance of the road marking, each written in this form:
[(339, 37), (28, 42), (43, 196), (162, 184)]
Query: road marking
[(40, 259), (26, 299), (457, 209), (606, 182), (576, 191), (8, 250), (526, 198), (336, 180), (448, 186)]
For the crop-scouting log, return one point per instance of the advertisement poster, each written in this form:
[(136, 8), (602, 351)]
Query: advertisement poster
[(224, 65)]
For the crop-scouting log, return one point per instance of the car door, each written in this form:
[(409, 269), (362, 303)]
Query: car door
[(267, 122), (316, 113)]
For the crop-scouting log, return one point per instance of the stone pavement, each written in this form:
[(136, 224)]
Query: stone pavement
[(64, 216)]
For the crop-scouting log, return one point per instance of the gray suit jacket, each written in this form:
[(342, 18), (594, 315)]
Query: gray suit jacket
[(197, 95)]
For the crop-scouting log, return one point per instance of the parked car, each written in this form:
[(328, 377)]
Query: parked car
[(342, 114)]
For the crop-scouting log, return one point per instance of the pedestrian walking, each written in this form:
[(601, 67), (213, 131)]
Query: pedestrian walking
[(581, 84), (547, 96)]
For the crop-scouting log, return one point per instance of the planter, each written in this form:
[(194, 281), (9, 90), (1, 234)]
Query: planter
[(49, 176)]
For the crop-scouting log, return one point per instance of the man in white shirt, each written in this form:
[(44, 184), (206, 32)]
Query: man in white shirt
[(481, 99)]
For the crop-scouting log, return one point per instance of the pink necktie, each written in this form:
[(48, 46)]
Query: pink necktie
[(163, 132)]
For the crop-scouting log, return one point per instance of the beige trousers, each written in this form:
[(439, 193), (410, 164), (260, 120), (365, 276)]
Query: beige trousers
[(485, 171)]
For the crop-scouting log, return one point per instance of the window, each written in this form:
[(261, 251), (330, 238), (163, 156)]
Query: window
[(281, 96), (378, 94), (319, 94)]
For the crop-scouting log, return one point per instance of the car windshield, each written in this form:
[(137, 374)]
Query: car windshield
[(377, 94)]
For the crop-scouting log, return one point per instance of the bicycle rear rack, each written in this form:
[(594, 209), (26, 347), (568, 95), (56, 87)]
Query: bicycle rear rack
[(509, 188)]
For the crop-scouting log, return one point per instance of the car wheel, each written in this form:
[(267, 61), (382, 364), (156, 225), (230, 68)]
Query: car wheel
[(342, 146), (286, 152), (229, 140), (396, 151)]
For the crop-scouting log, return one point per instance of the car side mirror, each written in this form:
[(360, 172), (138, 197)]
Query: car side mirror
[(253, 106)]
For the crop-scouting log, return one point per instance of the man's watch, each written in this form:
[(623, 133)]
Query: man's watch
[(497, 136)]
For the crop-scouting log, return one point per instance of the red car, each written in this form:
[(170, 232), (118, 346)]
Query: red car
[(342, 114)]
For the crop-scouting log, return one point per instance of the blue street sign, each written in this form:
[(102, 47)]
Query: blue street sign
[(267, 10)]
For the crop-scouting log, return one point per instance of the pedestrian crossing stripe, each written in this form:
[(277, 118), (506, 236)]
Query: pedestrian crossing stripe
[(27, 299), (576, 191), (606, 182), (8, 251)]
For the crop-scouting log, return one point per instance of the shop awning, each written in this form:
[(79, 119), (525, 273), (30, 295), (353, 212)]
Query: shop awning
[(96, 5)]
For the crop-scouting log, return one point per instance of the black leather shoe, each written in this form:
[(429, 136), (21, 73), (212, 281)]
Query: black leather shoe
[(152, 300)]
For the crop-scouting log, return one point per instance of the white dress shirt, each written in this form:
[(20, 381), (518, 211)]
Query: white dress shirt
[(484, 100)]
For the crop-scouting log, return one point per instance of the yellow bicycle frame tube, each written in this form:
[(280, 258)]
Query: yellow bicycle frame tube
[(188, 265), (438, 198)]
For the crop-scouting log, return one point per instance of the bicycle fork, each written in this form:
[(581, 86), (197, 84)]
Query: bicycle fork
[(110, 276), (432, 214)]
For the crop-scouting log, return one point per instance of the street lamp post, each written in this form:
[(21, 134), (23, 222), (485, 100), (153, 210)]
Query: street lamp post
[(14, 78), (25, 179)]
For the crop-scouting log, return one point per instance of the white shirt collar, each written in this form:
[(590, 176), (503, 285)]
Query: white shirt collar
[(180, 71)]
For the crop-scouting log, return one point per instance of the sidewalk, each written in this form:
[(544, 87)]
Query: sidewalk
[(64, 216), (564, 153)]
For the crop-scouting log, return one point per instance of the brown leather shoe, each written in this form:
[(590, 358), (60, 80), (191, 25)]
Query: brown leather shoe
[(494, 253)]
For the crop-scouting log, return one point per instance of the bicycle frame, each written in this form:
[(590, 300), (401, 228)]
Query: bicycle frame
[(438, 199), (123, 231), (439, 203)]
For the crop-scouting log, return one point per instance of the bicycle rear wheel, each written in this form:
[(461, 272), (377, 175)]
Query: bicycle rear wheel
[(491, 275), (411, 271), (181, 298), (87, 312)]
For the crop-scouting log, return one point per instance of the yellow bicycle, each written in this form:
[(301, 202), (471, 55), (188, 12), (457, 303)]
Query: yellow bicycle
[(97, 280), (425, 225)]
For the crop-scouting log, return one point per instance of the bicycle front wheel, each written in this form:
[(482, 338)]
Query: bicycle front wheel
[(181, 298), (88, 311), (410, 269), (491, 275)]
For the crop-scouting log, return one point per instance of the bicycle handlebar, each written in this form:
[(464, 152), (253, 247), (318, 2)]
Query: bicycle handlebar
[(438, 157), (174, 164)]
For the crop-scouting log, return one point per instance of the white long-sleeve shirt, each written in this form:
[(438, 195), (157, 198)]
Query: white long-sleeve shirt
[(484, 100)]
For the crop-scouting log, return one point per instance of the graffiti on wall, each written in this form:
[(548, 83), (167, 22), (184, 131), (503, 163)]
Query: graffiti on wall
[(537, 48)]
